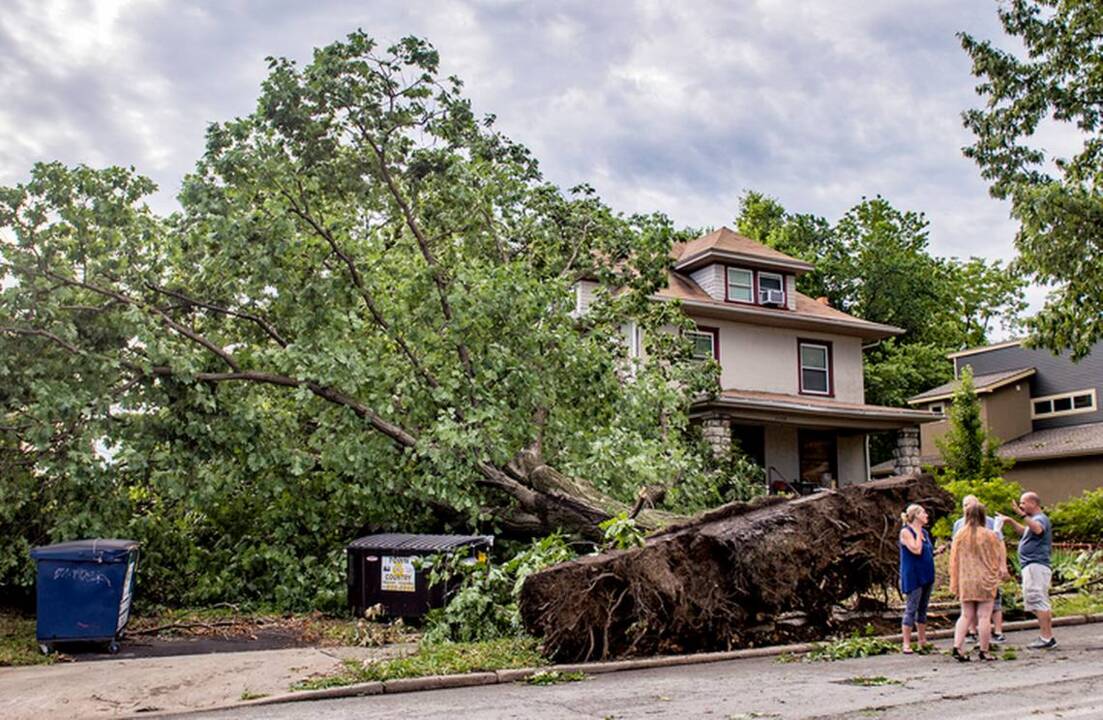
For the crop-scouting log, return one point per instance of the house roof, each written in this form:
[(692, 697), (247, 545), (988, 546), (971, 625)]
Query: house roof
[(1053, 443), (1072, 441), (725, 243), (983, 349), (807, 409), (984, 384), (808, 314)]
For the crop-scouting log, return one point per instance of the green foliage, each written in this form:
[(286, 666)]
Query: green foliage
[(621, 532), (968, 448), (1077, 570), (1048, 88), (435, 659), (360, 318), (554, 677), (484, 606), (18, 645), (861, 643), (733, 478), (1079, 519), (996, 493)]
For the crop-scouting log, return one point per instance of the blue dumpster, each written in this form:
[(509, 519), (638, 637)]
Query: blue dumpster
[(84, 591)]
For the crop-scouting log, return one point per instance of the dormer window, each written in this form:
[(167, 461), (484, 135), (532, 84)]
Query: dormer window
[(740, 285), (771, 289)]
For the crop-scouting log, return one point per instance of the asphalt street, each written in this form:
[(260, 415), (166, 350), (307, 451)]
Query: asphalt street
[(1063, 683)]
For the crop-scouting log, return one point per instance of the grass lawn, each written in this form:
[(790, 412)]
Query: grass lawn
[(17, 642), (440, 659)]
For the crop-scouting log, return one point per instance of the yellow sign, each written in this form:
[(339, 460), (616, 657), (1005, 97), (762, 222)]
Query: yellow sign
[(398, 574)]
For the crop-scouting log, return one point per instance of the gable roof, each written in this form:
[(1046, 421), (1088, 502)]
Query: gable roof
[(984, 383), (808, 314), (726, 244)]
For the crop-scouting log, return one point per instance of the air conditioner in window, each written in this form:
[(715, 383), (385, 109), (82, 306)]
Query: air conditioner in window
[(771, 297)]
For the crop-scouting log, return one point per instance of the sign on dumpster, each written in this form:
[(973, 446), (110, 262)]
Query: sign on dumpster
[(398, 574)]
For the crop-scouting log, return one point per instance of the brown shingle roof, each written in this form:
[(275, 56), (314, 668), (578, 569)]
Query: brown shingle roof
[(827, 403), (1056, 442), (808, 311), (728, 242), (984, 383)]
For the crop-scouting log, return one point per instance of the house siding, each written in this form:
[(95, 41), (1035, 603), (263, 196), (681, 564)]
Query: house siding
[(791, 292), (1006, 411), (711, 279), (758, 357), (1055, 374), (1059, 479)]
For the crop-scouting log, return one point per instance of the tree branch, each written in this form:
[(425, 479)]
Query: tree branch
[(365, 295), (268, 328)]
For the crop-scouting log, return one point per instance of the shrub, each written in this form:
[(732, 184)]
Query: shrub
[(484, 607), (997, 495), (1079, 519)]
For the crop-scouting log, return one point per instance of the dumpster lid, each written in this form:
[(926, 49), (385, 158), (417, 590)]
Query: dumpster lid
[(99, 550), (418, 543)]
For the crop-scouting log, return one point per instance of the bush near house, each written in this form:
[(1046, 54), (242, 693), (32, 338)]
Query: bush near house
[(1079, 519)]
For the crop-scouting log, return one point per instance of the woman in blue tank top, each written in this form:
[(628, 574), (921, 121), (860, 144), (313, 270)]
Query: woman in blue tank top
[(916, 574)]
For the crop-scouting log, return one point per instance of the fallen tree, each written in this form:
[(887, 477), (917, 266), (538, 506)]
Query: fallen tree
[(730, 577), (380, 278)]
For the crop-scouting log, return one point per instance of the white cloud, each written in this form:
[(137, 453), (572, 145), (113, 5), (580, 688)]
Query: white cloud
[(662, 106)]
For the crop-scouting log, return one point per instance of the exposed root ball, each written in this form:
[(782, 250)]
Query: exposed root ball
[(732, 578)]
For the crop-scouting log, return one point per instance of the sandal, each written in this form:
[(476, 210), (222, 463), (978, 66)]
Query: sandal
[(956, 654), (986, 656)]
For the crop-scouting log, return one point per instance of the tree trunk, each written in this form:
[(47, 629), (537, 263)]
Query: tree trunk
[(727, 578)]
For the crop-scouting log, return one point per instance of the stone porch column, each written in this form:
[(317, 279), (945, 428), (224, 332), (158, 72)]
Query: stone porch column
[(906, 454), (717, 432)]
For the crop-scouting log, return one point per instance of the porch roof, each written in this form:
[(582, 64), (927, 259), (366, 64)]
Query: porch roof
[(805, 410)]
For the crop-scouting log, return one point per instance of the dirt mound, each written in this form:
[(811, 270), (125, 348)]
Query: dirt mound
[(742, 575)]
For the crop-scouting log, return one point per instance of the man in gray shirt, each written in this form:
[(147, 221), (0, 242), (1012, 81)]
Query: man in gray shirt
[(1034, 553)]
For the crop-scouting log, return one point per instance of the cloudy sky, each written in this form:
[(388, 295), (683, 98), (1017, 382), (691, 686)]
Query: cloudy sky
[(671, 106)]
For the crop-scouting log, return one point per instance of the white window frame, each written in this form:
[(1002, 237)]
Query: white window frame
[(728, 285), (1073, 410), (712, 336), (780, 281), (826, 369), (937, 408)]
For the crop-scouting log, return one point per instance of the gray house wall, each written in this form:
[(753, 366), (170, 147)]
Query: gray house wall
[(1055, 374)]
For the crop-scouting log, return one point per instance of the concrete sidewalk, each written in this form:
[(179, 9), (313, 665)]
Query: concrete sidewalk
[(121, 688)]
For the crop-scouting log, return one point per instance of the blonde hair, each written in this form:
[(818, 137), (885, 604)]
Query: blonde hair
[(975, 517), (911, 513)]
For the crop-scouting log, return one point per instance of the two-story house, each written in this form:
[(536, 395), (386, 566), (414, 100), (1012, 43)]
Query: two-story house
[(1043, 408), (791, 367)]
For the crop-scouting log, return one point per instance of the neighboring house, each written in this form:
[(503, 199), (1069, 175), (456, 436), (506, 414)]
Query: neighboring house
[(793, 394), (1043, 408)]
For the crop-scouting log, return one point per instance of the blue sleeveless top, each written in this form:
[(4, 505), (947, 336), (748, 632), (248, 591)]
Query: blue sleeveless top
[(916, 570)]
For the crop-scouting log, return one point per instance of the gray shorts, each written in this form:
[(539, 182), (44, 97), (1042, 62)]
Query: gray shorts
[(1036, 579)]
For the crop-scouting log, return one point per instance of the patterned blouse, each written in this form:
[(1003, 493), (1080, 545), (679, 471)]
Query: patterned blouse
[(978, 560)]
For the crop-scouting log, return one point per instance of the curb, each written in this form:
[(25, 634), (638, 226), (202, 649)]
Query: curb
[(440, 682)]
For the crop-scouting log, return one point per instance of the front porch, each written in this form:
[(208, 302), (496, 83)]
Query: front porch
[(808, 443)]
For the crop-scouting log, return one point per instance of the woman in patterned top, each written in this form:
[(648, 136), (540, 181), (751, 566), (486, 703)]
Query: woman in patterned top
[(978, 562)]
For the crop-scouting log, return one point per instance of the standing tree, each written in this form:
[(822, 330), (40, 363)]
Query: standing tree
[(1058, 200), (364, 252), (968, 449), (971, 465)]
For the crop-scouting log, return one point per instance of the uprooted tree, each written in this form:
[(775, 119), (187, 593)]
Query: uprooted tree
[(366, 284), (744, 574)]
